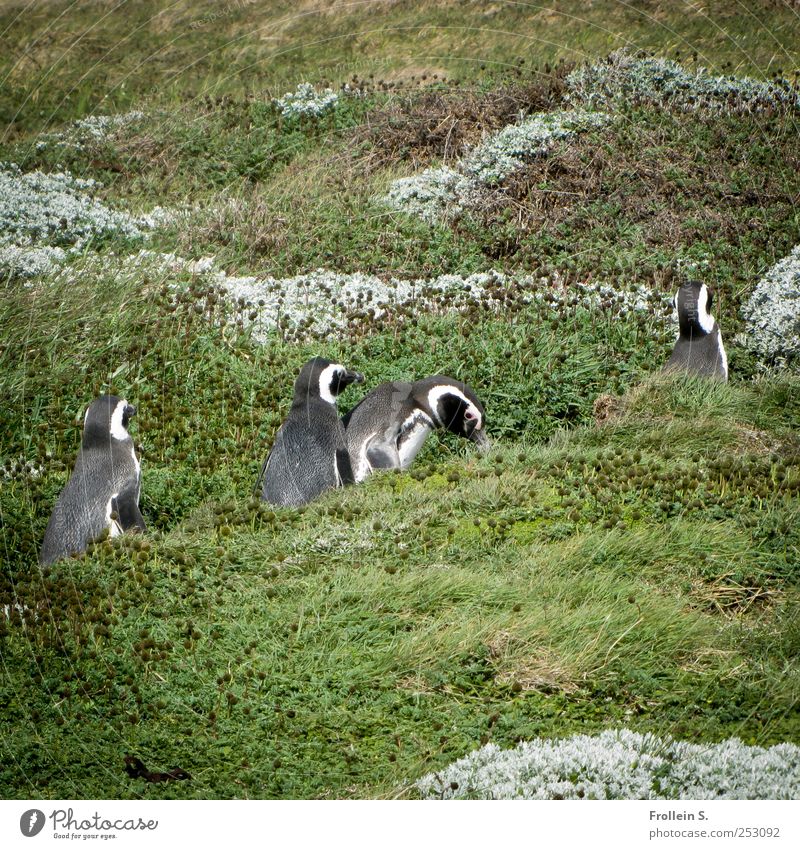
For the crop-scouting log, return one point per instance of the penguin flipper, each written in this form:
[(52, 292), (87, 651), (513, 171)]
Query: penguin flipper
[(258, 489), (383, 456), (127, 509)]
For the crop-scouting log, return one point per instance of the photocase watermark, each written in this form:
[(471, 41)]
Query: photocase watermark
[(66, 825), (31, 822), (225, 12)]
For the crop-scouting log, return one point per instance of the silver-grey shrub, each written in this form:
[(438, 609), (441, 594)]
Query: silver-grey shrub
[(56, 209), (620, 764), (437, 194), (501, 154), (88, 131), (772, 314), (306, 102), (323, 301), (623, 77), (45, 217)]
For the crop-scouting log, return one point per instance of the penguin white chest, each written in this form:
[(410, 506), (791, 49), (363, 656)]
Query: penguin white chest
[(409, 444), (723, 359), (363, 467)]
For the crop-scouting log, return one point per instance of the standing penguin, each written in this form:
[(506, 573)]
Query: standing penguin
[(310, 454), (389, 426), (699, 347), (103, 490)]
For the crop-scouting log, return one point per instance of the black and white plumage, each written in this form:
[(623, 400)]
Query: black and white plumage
[(699, 348), (103, 491), (389, 426), (310, 455)]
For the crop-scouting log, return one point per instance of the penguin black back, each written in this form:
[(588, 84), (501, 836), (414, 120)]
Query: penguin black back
[(698, 348), (388, 427), (309, 455), (102, 492)]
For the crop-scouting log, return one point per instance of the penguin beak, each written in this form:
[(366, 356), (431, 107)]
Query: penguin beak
[(355, 377), (481, 440), (130, 411)]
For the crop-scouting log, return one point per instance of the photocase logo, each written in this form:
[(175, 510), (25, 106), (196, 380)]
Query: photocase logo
[(31, 822)]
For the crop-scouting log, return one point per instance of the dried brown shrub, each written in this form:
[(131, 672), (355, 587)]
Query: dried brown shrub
[(658, 180), (442, 123)]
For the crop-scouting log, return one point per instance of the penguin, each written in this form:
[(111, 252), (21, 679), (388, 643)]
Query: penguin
[(310, 455), (699, 348), (389, 426), (103, 491)]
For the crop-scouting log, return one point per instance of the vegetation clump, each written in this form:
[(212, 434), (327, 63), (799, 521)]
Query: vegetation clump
[(446, 192), (86, 133), (620, 765), (772, 314), (306, 102), (624, 77), (46, 217)]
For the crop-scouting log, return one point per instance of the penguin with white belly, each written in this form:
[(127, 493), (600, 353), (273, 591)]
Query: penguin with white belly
[(389, 426), (102, 494), (310, 454)]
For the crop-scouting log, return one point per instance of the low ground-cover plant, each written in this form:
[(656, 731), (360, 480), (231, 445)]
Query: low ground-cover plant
[(620, 765), (44, 218), (772, 314), (629, 79), (306, 102), (441, 193), (324, 303), (86, 133)]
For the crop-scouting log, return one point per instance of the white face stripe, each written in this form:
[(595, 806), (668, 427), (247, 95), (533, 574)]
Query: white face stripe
[(118, 430), (415, 417), (436, 394), (704, 319), (325, 380)]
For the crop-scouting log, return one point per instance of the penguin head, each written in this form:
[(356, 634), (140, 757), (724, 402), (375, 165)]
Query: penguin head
[(456, 407), (325, 379), (107, 418), (693, 303)]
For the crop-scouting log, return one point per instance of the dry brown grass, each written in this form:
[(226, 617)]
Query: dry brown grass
[(441, 124), (606, 409), (530, 666), (658, 180), (724, 594)]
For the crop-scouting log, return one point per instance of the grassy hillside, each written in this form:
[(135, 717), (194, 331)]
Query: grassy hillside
[(631, 561), (63, 61)]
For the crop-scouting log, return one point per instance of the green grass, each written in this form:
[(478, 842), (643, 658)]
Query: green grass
[(640, 572)]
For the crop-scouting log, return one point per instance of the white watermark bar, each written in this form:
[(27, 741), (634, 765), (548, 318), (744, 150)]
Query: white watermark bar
[(357, 824)]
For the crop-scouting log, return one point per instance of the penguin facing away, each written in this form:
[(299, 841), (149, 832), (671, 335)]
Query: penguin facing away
[(389, 426), (310, 455), (699, 348), (102, 492)]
